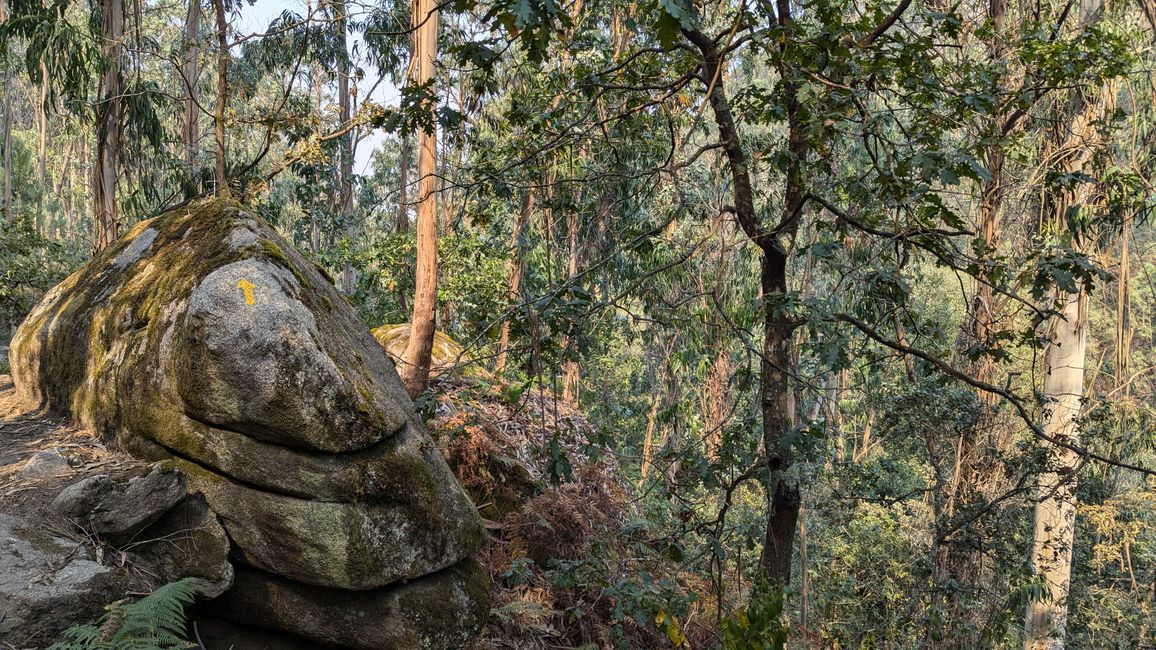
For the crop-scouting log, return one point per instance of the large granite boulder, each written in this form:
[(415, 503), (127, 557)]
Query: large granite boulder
[(204, 338)]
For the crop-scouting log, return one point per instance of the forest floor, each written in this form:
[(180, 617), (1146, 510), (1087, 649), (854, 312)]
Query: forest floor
[(41, 454)]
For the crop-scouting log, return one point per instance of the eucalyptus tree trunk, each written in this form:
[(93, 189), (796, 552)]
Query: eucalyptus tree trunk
[(220, 181), (662, 398), (7, 140), (1124, 329), (516, 269), (976, 475), (571, 371), (402, 221), (106, 171), (191, 72), (415, 371), (42, 148), (1078, 138), (1055, 513), (345, 173)]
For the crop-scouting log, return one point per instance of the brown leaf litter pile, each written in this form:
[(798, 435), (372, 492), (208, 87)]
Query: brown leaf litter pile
[(503, 451)]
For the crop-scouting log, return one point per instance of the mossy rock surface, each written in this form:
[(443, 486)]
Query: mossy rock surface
[(447, 358), (436, 612), (203, 336), (209, 311), (349, 545)]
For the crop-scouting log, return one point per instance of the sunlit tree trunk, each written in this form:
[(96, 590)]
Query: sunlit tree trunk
[(106, 212), (648, 439), (345, 172), (220, 180), (65, 167), (715, 399), (515, 264), (662, 394), (958, 564), (415, 372), (1079, 137), (1124, 329), (191, 71), (402, 222), (1055, 513)]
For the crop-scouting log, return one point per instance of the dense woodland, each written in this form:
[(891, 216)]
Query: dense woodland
[(859, 297)]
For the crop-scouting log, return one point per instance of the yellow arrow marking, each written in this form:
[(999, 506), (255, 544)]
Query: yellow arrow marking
[(247, 287)]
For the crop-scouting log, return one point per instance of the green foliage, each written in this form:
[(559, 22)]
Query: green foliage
[(30, 265), (760, 625), (155, 622)]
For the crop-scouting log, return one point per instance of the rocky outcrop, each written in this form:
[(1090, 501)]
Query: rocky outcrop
[(203, 338)]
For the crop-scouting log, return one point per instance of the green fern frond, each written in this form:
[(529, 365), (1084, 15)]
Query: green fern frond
[(155, 622)]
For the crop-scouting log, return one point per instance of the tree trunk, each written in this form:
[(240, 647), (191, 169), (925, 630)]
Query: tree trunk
[(345, 173), (108, 132), (7, 139), (1055, 515), (1124, 329), (403, 188), (191, 72), (415, 372), (571, 371), (662, 396), (976, 476), (516, 270), (778, 409), (648, 440), (776, 397), (221, 183), (42, 149), (1078, 138)]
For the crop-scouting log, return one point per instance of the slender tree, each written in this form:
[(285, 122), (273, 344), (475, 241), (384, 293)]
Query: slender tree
[(345, 143), (516, 265), (106, 210), (42, 147), (415, 372), (7, 202), (221, 182), (191, 72), (777, 364)]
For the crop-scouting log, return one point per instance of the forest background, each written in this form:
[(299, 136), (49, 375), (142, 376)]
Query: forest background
[(859, 296)]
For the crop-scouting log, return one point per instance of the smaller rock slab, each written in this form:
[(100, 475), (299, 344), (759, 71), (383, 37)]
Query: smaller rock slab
[(45, 464), (118, 508)]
